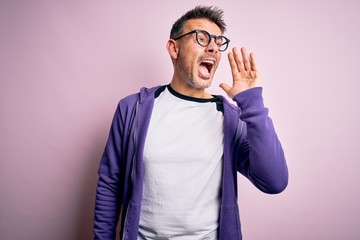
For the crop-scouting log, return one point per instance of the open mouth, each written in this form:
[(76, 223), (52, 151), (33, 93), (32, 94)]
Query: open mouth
[(205, 68)]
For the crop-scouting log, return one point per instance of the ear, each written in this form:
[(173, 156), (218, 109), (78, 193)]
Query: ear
[(172, 49)]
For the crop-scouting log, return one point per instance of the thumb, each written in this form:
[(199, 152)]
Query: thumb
[(225, 87)]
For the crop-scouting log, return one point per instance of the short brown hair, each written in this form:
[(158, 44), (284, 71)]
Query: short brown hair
[(211, 13)]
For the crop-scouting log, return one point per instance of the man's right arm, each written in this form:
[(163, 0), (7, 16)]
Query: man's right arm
[(108, 193)]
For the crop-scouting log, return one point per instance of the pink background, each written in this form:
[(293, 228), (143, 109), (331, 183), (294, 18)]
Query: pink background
[(65, 64)]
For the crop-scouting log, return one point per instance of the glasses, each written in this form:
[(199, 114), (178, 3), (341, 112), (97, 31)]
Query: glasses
[(203, 38)]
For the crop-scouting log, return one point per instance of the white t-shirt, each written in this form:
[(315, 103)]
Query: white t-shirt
[(183, 168)]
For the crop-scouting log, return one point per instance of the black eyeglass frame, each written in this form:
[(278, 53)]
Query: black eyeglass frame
[(197, 31)]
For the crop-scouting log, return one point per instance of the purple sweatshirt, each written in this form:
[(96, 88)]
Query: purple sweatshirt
[(251, 147)]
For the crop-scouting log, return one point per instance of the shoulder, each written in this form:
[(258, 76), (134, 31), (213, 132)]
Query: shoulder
[(128, 104), (144, 94), (230, 107)]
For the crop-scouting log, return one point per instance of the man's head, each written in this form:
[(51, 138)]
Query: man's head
[(195, 46)]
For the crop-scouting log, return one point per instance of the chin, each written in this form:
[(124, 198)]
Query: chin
[(200, 83)]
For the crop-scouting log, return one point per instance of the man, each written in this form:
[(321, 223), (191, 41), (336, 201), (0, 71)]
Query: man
[(171, 161)]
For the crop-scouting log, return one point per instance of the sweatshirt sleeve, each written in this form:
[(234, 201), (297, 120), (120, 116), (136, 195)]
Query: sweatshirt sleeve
[(108, 192), (260, 156)]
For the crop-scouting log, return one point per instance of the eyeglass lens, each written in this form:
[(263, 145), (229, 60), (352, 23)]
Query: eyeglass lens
[(204, 39)]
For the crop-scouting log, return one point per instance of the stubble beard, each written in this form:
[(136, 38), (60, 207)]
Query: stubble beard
[(198, 84), (191, 79)]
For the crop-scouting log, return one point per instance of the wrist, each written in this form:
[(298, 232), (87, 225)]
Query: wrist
[(249, 98)]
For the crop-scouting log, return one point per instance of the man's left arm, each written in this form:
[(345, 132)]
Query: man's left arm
[(260, 156)]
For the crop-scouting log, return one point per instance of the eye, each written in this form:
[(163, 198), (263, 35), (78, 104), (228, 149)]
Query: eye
[(219, 41), (201, 39)]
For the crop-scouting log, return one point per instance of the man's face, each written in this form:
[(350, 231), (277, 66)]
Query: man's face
[(196, 64)]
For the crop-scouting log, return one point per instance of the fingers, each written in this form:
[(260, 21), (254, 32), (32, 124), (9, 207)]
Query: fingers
[(253, 62), (233, 65), (245, 59), (241, 62), (238, 59)]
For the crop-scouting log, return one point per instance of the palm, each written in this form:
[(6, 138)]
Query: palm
[(244, 72)]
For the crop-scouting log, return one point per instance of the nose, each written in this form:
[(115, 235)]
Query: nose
[(212, 47)]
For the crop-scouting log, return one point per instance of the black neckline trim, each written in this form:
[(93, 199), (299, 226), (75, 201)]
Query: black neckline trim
[(193, 99)]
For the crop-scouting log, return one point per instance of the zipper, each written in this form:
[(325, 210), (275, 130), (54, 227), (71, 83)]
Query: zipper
[(133, 164)]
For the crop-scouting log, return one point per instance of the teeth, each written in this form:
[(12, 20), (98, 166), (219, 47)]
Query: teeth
[(209, 62)]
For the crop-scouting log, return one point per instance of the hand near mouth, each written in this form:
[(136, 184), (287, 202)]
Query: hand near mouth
[(244, 71)]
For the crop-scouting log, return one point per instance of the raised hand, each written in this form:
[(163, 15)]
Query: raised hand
[(244, 72)]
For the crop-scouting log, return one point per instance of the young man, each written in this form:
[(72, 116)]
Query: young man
[(171, 161)]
